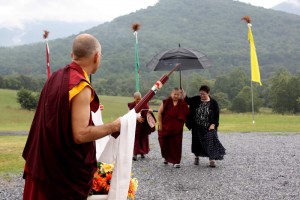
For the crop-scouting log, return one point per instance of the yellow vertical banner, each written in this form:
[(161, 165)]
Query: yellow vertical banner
[(255, 74)]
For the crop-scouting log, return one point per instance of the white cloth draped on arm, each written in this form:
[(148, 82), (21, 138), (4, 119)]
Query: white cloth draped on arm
[(119, 151), (100, 143)]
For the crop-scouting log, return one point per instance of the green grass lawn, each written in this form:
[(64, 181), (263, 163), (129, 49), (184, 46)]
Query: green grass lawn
[(263, 122), (13, 118), (11, 149)]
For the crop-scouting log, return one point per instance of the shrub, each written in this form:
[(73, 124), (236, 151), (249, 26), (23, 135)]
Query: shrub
[(27, 99)]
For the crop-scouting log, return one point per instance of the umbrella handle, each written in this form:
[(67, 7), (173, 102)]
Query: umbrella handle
[(157, 86), (180, 79)]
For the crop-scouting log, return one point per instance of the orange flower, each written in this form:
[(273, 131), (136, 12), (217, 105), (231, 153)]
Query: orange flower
[(108, 177), (96, 186), (102, 178), (105, 183)]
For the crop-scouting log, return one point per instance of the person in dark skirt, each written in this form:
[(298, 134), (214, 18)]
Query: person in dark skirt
[(203, 120)]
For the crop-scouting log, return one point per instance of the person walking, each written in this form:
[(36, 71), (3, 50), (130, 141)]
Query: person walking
[(171, 118), (142, 131), (203, 120)]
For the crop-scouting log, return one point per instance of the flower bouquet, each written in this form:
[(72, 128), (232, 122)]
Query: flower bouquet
[(102, 178)]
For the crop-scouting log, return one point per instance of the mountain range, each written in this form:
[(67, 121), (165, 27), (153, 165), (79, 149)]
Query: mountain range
[(212, 26), (31, 32), (289, 6)]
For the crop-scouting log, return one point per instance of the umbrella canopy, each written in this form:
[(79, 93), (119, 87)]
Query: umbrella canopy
[(188, 58)]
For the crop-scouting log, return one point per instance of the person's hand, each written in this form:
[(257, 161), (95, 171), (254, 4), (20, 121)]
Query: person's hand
[(116, 126), (183, 93), (211, 127), (140, 119), (101, 107), (150, 110), (159, 127)]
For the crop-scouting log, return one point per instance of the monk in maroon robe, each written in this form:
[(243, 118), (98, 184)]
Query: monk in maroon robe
[(142, 131), (171, 118), (60, 151)]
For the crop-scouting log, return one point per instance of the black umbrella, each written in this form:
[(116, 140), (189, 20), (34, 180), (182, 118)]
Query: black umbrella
[(188, 58)]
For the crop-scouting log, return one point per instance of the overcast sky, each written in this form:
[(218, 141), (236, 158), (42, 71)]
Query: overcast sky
[(14, 13)]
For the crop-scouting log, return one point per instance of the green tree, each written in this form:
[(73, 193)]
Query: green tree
[(27, 100), (294, 88), (2, 82), (12, 82), (243, 101), (193, 83), (231, 84), (222, 99), (280, 93)]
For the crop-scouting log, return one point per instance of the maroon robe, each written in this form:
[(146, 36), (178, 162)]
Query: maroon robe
[(170, 138), (56, 167), (142, 131)]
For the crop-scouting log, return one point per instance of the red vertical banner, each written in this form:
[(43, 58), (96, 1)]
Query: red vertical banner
[(48, 59)]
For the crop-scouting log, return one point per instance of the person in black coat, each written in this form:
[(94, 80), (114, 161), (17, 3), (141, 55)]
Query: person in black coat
[(203, 120)]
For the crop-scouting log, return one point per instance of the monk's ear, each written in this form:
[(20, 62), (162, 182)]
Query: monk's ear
[(96, 57)]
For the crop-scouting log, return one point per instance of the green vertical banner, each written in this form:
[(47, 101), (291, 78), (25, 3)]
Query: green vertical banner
[(135, 28), (137, 65)]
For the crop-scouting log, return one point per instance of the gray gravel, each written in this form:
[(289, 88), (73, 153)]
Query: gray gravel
[(257, 166)]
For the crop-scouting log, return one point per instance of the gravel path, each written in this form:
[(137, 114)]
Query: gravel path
[(257, 166)]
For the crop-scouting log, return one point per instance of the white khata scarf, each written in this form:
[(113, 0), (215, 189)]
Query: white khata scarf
[(118, 151)]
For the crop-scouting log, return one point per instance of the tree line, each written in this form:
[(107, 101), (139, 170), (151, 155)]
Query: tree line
[(281, 92)]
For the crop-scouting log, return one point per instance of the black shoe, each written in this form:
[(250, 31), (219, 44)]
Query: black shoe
[(212, 163), (196, 162), (134, 158), (142, 156), (165, 162)]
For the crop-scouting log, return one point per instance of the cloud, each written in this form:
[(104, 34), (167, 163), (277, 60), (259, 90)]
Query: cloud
[(294, 2), (13, 14), (264, 3), (17, 39)]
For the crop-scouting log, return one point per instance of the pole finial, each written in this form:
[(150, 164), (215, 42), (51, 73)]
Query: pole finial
[(247, 19), (46, 34), (135, 27)]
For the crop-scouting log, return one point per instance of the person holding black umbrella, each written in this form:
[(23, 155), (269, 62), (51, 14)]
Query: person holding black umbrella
[(171, 118), (203, 120)]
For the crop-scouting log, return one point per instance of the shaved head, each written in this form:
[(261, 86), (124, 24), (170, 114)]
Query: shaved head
[(84, 46), (137, 94)]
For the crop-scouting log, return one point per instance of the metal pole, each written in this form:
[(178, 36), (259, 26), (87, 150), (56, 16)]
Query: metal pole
[(252, 103)]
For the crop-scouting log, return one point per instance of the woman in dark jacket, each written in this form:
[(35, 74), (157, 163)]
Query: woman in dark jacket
[(204, 121)]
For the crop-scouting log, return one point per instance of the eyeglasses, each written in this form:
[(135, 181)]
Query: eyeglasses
[(203, 94)]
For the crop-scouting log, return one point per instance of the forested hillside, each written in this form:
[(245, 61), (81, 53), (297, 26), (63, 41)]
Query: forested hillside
[(212, 26)]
